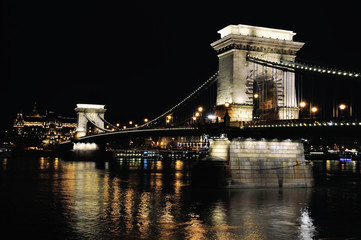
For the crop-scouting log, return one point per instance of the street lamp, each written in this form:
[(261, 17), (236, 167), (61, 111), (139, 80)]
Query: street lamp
[(342, 107), (314, 110), (303, 104), (169, 118), (194, 118)]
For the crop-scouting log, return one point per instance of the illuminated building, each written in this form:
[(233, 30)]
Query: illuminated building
[(48, 129)]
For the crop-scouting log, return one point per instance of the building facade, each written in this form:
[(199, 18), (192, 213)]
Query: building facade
[(49, 129)]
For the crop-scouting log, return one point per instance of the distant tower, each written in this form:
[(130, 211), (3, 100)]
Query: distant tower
[(35, 112), (240, 81)]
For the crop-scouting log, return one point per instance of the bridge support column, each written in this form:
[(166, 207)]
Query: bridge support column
[(248, 163), (238, 112), (269, 163), (91, 112), (246, 85), (288, 113), (219, 148)]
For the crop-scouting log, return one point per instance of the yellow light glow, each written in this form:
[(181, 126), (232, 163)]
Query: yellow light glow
[(342, 106), (227, 104), (314, 109), (303, 104), (200, 109)]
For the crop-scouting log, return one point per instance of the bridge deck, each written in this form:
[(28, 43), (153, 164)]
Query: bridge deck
[(283, 129)]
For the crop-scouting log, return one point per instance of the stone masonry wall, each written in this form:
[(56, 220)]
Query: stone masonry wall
[(269, 164), (264, 163)]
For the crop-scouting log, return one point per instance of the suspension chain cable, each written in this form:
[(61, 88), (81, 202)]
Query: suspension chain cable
[(94, 124), (211, 80), (292, 66)]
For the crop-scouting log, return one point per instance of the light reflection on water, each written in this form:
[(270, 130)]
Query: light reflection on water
[(307, 229), (154, 200)]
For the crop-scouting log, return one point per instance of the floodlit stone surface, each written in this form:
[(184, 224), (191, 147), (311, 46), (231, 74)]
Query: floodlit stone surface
[(86, 112), (237, 75), (262, 163)]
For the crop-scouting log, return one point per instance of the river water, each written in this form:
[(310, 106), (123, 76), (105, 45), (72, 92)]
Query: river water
[(49, 198)]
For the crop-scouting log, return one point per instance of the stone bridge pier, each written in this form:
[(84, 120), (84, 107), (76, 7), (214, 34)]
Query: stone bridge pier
[(263, 163)]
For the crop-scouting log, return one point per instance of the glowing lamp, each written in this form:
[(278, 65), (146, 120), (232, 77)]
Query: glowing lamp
[(302, 104), (342, 107)]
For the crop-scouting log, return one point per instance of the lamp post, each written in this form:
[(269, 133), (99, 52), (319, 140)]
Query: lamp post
[(342, 107), (302, 105), (314, 110), (226, 118), (255, 106)]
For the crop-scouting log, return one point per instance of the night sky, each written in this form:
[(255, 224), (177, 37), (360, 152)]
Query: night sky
[(140, 58)]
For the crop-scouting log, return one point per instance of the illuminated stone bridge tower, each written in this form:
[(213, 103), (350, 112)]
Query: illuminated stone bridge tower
[(243, 84), (86, 113)]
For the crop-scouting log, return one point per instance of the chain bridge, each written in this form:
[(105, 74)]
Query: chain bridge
[(261, 91), (259, 86)]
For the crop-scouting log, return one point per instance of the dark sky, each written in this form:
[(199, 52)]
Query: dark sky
[(141, 57)]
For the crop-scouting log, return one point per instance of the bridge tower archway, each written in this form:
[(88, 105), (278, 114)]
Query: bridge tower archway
[(86, 113), (237, 73), (265, 95)]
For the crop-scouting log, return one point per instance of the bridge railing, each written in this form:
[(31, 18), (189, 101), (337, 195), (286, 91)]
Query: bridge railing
[(303, 123)]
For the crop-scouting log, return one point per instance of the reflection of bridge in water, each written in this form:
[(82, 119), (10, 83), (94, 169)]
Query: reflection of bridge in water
[(261, 93)]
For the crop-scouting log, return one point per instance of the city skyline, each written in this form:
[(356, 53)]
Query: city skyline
[(140, 60)]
